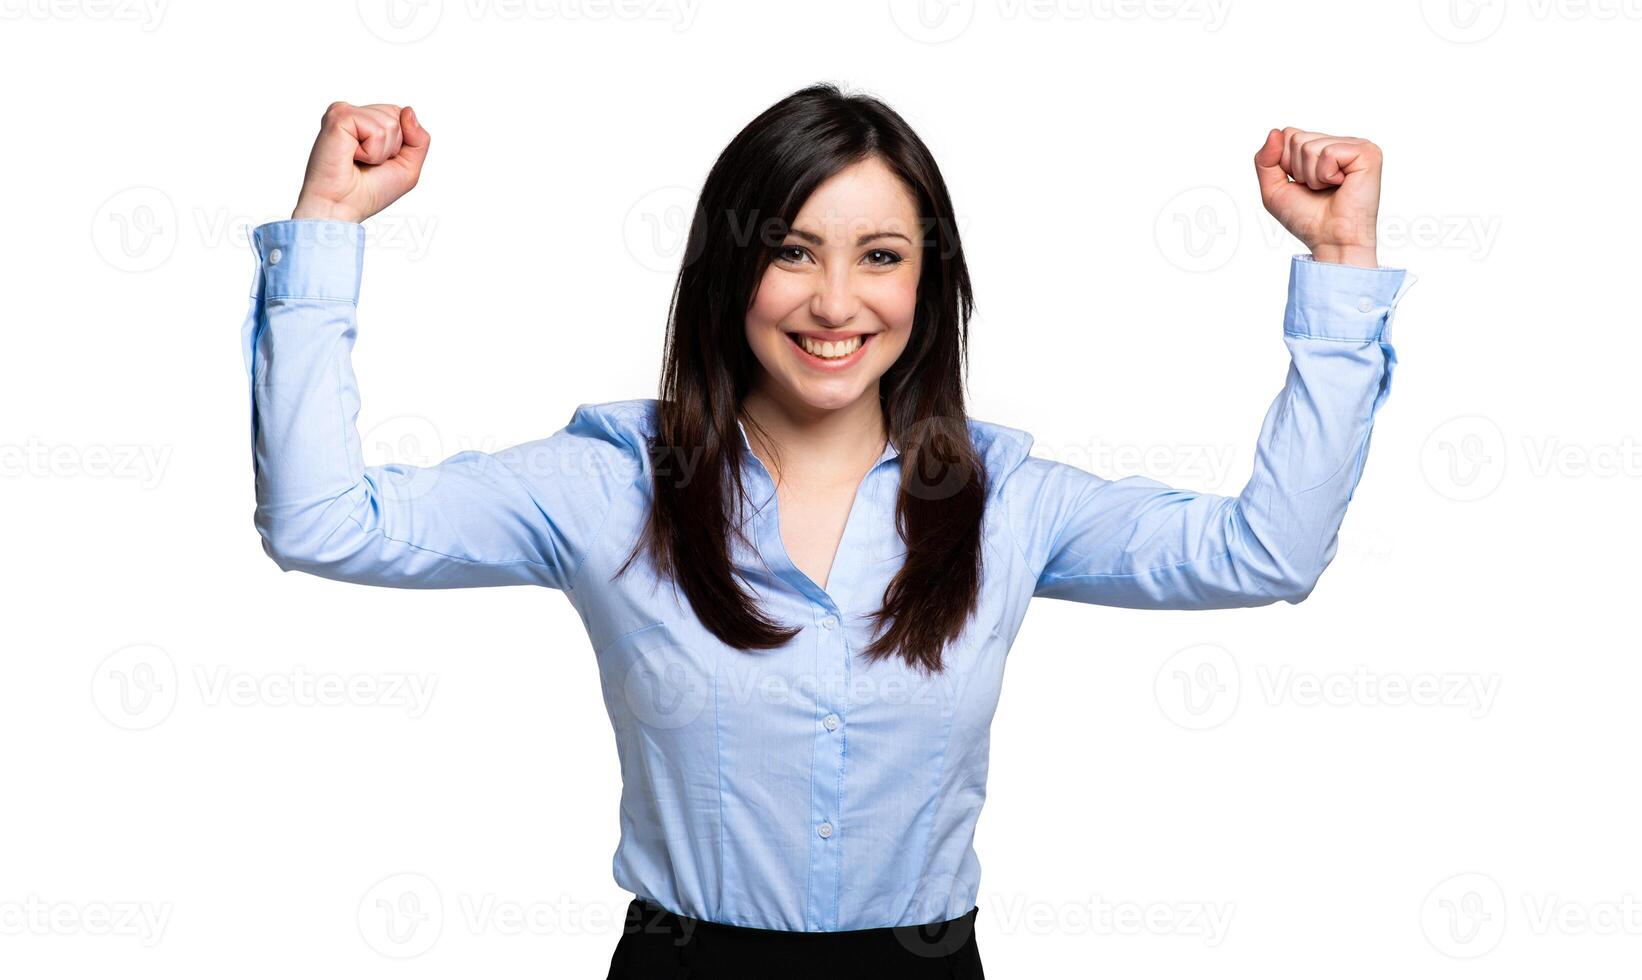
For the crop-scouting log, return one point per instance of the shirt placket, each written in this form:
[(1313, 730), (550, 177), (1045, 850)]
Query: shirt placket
[(829, 678), (828, 759)]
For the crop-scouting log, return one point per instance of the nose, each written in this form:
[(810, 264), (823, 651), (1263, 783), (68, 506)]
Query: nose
[(835, 303)]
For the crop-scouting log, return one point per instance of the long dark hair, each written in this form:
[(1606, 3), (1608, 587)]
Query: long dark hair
[(767, 172)]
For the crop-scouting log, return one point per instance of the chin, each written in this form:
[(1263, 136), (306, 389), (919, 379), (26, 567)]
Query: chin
[(827, 397)]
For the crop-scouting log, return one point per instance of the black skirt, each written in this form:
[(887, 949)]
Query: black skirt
[(659, 945)]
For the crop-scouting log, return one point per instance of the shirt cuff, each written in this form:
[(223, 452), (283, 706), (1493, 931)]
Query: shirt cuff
[(1331, 301), (305, 258)]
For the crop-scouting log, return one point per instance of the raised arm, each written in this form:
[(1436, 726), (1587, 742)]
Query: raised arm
[(525, 515), (1139, 543)]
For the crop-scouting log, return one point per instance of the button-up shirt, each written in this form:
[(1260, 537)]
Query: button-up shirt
[(803, 787)]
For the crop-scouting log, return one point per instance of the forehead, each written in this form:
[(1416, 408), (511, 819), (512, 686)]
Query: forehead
[(863, 197)]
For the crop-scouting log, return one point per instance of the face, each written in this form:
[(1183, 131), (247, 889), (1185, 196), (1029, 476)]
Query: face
[(835, 306)]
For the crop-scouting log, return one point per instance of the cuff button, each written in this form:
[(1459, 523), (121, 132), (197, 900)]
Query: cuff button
[(1365, 304), (274, 255)]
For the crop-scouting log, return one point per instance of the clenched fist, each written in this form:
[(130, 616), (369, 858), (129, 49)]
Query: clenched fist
[(1334, 197), (365, 158)]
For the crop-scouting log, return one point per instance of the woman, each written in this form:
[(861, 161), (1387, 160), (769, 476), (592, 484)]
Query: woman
[(802, 714)]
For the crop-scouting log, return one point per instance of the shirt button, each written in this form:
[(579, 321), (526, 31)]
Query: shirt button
[(831, 622), (274, 255), (831, 721), (1365, 304), (825, 830)]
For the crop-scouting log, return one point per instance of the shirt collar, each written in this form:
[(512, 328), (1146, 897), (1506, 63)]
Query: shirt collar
[(890, 449)]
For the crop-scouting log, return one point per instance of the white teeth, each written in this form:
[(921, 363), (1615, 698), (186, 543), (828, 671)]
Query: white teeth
[(831, 349)]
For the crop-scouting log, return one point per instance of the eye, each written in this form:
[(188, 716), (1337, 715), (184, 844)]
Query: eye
[(887, 258), (785, 253)]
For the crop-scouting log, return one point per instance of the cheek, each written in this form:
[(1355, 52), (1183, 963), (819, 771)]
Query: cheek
[(896, 306), (771, 305)]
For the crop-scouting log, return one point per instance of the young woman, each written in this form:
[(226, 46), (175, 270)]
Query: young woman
[(802, 565)]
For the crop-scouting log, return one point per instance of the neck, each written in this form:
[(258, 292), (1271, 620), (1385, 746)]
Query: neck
[(808, 444)]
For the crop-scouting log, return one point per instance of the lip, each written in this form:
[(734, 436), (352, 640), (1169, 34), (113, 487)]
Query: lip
[(837, 363)]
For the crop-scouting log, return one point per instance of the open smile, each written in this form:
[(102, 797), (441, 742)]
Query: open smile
[(831, 355)]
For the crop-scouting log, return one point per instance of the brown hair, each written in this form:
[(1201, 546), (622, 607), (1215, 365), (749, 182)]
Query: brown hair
[(761, 180)]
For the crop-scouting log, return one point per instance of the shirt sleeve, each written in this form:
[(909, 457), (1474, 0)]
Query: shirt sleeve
[(524, 515), (1138, 543)]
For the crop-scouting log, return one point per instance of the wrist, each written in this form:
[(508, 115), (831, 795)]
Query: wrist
[(1360, 255), (322, 211)]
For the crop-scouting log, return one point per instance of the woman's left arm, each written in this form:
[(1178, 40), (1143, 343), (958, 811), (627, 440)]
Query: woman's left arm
[(1139, 543)]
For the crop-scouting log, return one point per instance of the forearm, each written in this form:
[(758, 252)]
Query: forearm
[(298, 340), (1139, 543), (1314, 440), (470, 520)]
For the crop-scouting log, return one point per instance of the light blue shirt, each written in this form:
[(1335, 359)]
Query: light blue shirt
[(800, 788)]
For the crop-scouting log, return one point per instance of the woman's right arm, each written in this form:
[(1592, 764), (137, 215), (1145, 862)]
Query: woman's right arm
[(525, 515)]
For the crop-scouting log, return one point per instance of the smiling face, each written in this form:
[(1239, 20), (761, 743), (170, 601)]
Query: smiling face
[(834, 309)]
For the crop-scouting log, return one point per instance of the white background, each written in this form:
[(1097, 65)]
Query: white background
[(1172, 794)]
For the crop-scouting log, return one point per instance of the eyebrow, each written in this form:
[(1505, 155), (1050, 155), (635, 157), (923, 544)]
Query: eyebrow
[(874, 236)]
